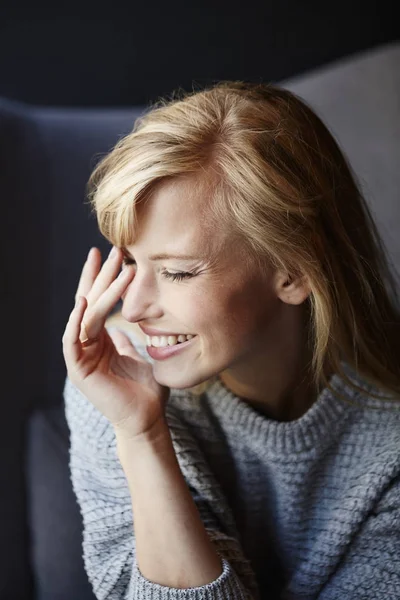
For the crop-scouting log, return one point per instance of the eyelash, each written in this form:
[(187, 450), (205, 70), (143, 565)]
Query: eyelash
[(173, 276)]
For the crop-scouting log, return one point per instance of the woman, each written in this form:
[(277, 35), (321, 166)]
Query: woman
[(241, 439)]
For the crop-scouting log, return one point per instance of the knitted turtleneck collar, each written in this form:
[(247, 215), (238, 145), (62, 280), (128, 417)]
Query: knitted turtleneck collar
[(320, 421)]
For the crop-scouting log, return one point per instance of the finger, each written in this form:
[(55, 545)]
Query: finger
[(107, 274), (98, 313), (124, 345), (72, 348), (89, 273)]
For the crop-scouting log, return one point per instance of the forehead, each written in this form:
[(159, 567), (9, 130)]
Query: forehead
[(181, 197), (175, 214)]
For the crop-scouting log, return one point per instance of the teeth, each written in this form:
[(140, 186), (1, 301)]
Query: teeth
[(163, 340)]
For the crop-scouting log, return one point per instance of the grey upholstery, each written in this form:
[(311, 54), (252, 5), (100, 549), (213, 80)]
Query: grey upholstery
[(45, 160), (359, 99)]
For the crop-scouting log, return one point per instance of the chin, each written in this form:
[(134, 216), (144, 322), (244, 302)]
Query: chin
[(180, 381)]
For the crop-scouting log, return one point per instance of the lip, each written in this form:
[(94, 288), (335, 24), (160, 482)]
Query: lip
[(150, 331), (163, 353)]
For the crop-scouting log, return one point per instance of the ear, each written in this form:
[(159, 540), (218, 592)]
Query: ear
[(291, 289)]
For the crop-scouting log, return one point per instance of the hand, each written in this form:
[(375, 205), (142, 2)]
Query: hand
[(109, 371)]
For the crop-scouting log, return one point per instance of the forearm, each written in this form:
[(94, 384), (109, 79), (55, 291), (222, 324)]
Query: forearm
[(172, 545)]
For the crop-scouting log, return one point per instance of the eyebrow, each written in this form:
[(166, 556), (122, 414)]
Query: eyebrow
[(165, 256)]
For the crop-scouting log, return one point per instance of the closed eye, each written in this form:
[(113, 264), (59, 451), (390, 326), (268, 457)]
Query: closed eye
[(173, 276)]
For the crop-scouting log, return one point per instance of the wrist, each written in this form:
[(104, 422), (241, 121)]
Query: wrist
[(155, 436)]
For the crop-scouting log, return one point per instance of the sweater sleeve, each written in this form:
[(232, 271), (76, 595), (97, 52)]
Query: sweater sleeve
[(103, 496), (370, 570)]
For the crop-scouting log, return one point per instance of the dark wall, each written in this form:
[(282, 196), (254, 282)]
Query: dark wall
[(124, 54)]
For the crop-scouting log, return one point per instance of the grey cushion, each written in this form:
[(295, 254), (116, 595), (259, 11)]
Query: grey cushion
[(359, 99)]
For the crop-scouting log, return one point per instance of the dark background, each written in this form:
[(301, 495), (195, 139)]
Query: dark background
[(118, 54)]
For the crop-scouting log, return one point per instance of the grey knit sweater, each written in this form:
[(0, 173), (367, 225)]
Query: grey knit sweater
[(306, 509)]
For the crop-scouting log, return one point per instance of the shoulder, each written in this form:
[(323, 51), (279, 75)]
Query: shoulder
[(373, 414), (364, 459)]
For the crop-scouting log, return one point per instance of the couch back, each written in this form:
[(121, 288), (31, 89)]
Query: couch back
[(45, 160)]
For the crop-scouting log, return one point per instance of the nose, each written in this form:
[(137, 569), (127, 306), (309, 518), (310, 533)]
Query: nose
[(140, 300)]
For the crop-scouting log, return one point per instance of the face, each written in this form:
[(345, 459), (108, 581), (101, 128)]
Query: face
[(227, 306)]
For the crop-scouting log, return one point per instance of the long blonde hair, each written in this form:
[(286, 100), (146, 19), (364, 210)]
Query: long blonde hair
[(282, 184)]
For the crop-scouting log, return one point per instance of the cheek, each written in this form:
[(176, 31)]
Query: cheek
[(220, 313), (193, 309), (246, 311)]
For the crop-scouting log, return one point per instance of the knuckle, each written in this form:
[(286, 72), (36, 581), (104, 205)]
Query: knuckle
[(65, 339)]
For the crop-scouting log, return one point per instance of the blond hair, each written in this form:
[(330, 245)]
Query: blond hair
[(281, 183)]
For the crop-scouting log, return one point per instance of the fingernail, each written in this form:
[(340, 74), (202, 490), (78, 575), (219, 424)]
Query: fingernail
[(90, 253), (113, 252)]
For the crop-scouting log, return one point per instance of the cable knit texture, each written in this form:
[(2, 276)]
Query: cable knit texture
[(299, 510)]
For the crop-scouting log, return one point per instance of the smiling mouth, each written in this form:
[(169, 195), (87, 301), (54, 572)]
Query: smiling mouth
[(163, 341), (164, 352)]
